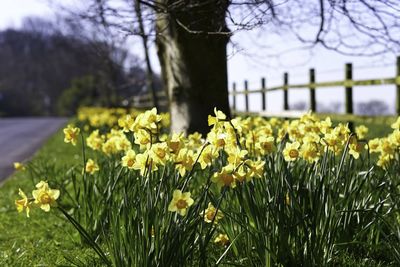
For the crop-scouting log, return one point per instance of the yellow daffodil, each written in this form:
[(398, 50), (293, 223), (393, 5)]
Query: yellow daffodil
[(291, 151), (71, 134), (195, 141), (281, 134), (152, 118), (224, 177), (361, 131), (383, 160), (95, 141), (355, 147), (396, 125), (144, 163), (386, 147), (129, 159), (126, 123), (222, 240), (373, 145), (395, 137), (19, 166), (147, 120), (309, 151), (23, 204), (184, 161), (142, 138), (256, 168), (159, 152), (217, 138), (180, 202), (207, 156), (211, 214), (44, 196), (333, 143), (123, 144), (325, 125), (294, 131), (274, 122), (265, 145), (91, 166), (236, 156), (242, 174), (219, 116), (109, 147), (342, 132), (176, 142)]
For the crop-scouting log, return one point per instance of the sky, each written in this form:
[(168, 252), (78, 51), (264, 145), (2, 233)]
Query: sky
[(250, 62)]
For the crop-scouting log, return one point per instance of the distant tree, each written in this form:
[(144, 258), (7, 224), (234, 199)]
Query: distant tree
[(373, 107), (40, 61), (301, 105), (333, 107), (83, 92)]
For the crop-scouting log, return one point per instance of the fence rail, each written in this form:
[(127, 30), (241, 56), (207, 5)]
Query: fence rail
[(347, 83), (145, 101)]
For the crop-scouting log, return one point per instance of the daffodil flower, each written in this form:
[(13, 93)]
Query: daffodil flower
[(71, 134), (19, 166), (23, 204), (219, 116), (91, 166), (180, 202), (291, 151), (211, 214), (222, 240), (44, 196)]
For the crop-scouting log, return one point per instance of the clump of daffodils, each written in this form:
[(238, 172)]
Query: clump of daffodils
[(234, 151), (244, 142), (43, 197)]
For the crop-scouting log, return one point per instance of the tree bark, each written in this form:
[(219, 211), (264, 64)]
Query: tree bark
[(191, 44)]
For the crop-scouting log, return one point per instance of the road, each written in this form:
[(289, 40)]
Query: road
[(21, 137)]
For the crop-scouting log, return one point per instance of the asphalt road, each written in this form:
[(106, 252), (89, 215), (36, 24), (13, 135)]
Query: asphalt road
[(21, 137)]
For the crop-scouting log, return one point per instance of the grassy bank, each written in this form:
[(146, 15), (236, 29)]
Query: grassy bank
[(44, 239)]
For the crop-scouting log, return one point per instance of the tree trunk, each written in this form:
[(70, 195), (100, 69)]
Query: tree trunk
[(191, 43)]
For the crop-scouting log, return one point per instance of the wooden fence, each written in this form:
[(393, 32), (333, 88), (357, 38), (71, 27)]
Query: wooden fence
[(145, 100), (347, 83)]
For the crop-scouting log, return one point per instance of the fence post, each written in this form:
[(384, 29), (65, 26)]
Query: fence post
[(263, 95), (285, 91), (313, 102), (246, 95), (348, 85), (234, 97), (398, 86)]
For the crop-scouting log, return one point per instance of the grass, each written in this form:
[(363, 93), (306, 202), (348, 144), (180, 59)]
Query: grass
[(44, 239), (50, 240)]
